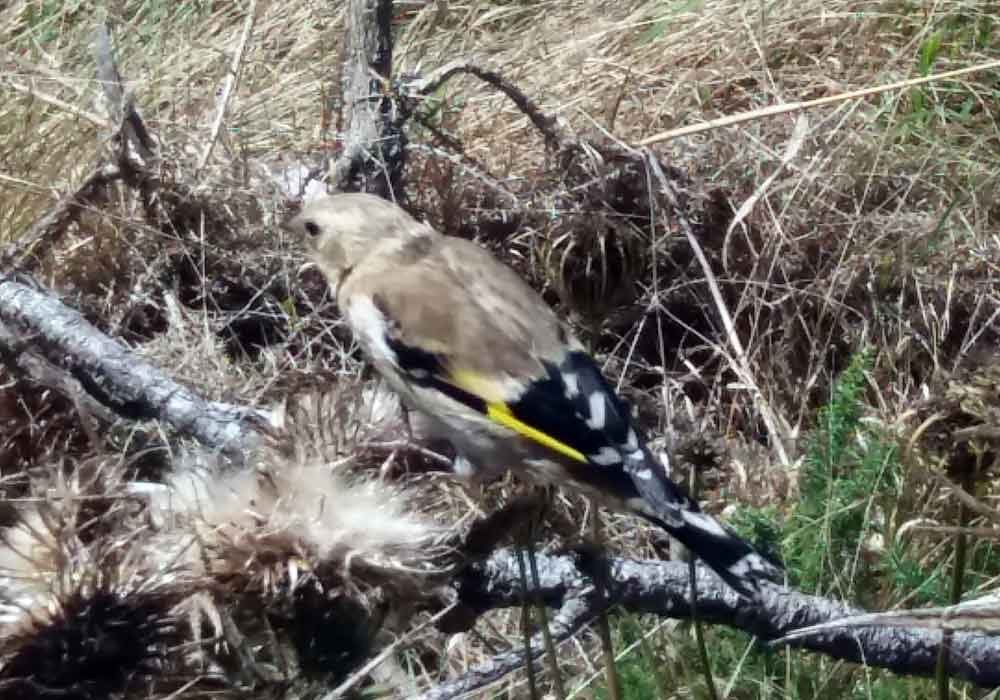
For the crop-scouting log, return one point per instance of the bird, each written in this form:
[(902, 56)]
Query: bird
[(467, 343)]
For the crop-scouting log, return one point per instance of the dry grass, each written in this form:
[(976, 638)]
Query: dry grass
[(870, 223)]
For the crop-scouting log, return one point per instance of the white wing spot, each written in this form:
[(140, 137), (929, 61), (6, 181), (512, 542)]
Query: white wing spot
[(636, 456), (644, 474), (631, 440), (606, 457), (572, 382), (669, 515), (742, 568), (705, 522), (597, 409)]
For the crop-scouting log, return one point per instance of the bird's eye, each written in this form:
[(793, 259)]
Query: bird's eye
[(311, 228)]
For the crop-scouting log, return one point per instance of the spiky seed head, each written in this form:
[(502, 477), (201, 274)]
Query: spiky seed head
[(92, 644), (593, 261), (341, 230)]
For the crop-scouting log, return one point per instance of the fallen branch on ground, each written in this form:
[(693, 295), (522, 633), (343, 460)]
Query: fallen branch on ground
[(662, 588), (113, 376)]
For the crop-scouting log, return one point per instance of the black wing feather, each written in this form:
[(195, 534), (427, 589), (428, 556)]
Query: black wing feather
[(560, 405)]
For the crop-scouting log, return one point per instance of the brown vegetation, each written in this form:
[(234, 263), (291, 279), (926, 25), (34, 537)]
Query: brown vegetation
[(871, 224)]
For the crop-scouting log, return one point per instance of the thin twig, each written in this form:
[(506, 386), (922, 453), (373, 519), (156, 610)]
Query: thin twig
[(407, 446), (603, 626), (363, 672), (577, 608), (549, 126), (526, 626), (738, 361), (967, 499), (20, 254), (775, 110), (543, 619), (957, 573), (231, 80), (57, 103), (699, 632)]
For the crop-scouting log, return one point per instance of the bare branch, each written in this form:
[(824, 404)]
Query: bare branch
[(138, 148), (22, 252), (662, 588), (231, 78), (133, 161), (738, 360), (115, 377), (555, 137)]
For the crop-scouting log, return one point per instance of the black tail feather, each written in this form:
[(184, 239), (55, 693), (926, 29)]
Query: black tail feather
[(665, 503), (734, 559)]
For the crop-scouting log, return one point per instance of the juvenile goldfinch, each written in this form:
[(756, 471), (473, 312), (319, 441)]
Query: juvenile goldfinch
[(471, 346)]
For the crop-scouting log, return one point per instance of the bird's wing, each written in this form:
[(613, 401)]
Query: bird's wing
[(456, 321), (459, 321)]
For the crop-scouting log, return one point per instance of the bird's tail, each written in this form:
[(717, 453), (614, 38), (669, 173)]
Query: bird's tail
[(734, 559), (731, 557)]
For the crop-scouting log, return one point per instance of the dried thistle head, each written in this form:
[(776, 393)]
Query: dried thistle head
[(93, 641), (332, 557), (272, 527), (80, 614), (593, 261), (337, 422)]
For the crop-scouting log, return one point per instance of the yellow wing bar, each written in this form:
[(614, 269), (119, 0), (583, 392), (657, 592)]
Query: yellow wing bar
[(499, 413), (491, 394)]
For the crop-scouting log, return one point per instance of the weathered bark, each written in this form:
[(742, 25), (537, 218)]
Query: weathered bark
[(373, 152), (663, 589), (112, 375)]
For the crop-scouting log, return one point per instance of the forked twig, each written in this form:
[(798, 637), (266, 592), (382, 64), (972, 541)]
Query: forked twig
[(555, 136)]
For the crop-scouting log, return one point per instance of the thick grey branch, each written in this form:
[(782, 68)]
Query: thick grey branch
[(661, 588), (110, 373)]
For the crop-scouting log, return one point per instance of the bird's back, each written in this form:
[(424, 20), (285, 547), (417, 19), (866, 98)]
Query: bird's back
[(448, 296)]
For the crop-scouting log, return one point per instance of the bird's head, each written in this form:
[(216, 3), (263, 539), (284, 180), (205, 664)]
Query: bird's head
[(340, 230)]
